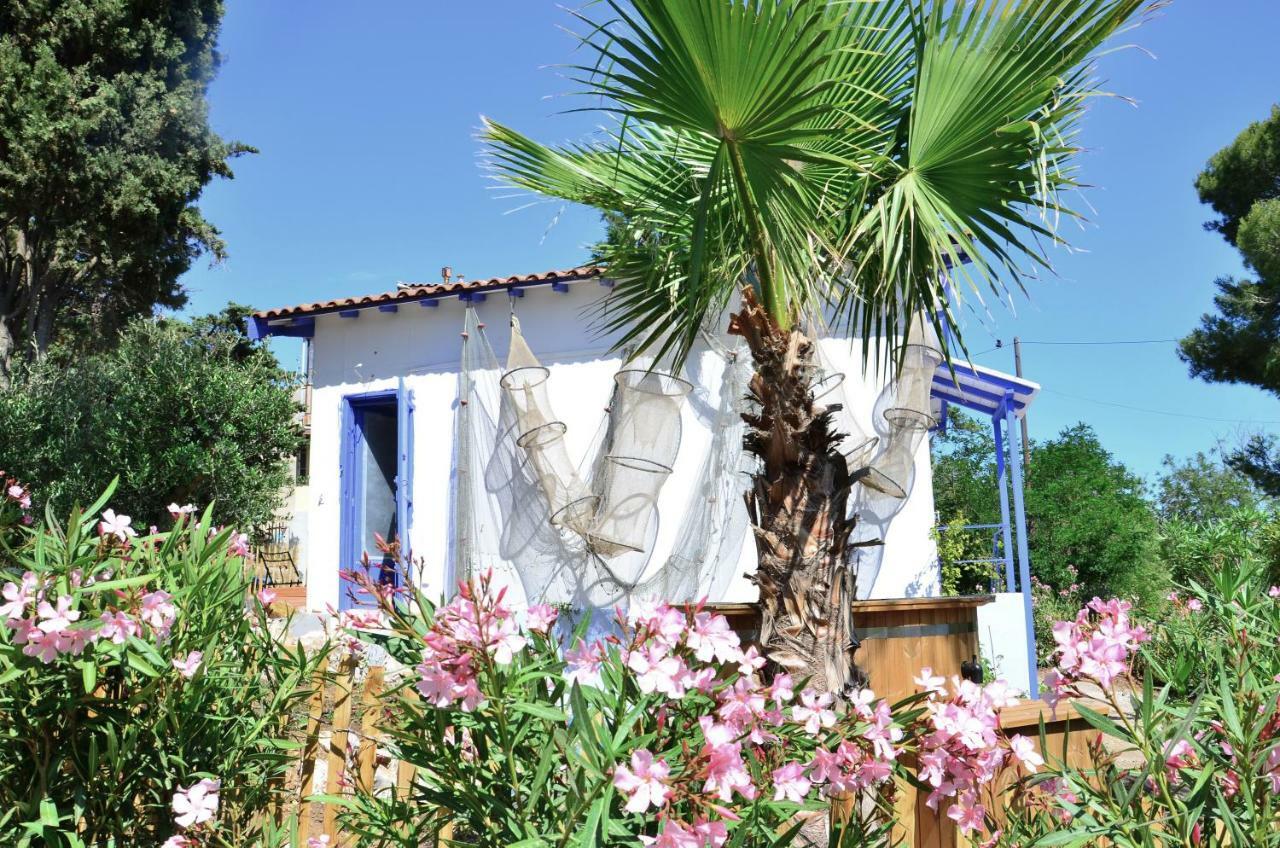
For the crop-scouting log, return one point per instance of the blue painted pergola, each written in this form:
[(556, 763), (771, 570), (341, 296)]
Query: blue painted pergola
[(1003, 398)]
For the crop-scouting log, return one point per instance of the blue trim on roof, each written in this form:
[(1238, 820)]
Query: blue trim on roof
[(948, 390)]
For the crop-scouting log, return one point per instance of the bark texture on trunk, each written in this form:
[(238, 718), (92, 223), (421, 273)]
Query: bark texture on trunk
[(799, 504)]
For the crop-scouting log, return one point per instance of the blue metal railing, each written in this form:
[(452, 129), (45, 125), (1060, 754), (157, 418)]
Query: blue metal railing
[(998, 555)]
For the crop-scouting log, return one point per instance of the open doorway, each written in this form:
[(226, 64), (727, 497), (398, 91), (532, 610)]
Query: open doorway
[(376, 483)]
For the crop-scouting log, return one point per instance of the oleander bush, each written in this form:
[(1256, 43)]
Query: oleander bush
[(1193, 762), (143, 699), (524, 732)]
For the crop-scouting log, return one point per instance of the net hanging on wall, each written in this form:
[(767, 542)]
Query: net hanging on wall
[(541, 435), (507, 494), (644, 440), (909, 415), (705, 556)]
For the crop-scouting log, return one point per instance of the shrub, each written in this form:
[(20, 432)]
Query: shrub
[(662, 734), (140, 698), (1202, 770), (179, 412)]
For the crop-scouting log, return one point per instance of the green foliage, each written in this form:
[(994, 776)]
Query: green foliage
[(1195, 762), (94, 742), (1090, 530), (105, 146), (959, 553), (1087, 512), (1201, 489), (823, 153), (185, 413), (1197, 552), (1238, 343)]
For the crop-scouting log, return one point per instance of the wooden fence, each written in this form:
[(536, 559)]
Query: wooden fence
[(333, 728), (902, 637)]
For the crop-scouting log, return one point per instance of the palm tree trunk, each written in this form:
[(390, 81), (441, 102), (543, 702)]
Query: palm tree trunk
[(799, 505)]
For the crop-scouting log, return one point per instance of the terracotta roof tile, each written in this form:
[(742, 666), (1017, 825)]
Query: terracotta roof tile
[(423, 291)]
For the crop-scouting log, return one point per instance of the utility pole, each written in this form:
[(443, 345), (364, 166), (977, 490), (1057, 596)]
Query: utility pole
[(1017, 369)]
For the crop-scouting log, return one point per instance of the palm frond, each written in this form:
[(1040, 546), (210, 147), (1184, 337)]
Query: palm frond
[(828, 152)]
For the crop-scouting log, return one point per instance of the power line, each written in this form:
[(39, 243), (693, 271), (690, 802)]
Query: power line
[(1000, 345), (1122, 342), (1170, 413)]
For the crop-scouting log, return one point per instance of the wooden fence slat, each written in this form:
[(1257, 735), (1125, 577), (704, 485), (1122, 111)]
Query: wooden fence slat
[(371, 713), (338, 743), (310, 745)]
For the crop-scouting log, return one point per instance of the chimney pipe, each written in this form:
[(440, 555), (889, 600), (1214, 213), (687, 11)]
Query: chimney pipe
[(445, 273)]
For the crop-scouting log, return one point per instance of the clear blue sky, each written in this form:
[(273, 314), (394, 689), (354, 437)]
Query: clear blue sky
[(365, 115)]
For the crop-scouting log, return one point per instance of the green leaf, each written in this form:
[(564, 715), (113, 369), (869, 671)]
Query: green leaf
[(542, 711), (122, 583), (137, 663), (1102, 723), (89, 675)]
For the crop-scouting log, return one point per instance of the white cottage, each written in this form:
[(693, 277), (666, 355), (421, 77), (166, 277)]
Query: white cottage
[(434, 420)]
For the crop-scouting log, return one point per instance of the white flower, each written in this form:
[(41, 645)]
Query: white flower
[(116, 525), (196, 804)]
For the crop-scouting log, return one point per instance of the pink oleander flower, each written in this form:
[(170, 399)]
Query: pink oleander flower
[(189, 666), (726, 771), (674, 835), (119, 526), (583, 663), (321, 841), (782, 689), (196, 804), (15, 492), (967, 814), (238, 545), (506, 642), (118, 627), (657, 671), (540, 618), (57, 619), (644, 783), (266, 596), (751, 662), (1272, 771), (158, 612), (711, 637), (1274, 592), (19, 596), (814, 711), (177, 842), (179, 511), (928, 682), (1024, 751), (1195, 605), (1178, 755), (658, 620), (790, 783), (712, 834)]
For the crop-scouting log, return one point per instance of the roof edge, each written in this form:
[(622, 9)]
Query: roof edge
[(426, 291)]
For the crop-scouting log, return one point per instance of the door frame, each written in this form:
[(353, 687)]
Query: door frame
[(351, 474)]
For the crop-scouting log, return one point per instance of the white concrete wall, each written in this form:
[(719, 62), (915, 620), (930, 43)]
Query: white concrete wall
[(422, 345), (1002, 635)]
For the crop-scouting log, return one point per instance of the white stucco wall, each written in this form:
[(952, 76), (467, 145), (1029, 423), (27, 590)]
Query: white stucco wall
[(422, 345)]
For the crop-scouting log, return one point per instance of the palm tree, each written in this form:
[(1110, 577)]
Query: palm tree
[(819, 157)]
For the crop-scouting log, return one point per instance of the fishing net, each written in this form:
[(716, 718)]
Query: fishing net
[(643, 443), (909, 414), (584, 534), (541, 435)]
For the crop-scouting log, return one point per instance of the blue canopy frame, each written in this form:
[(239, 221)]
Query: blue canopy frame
[(1004, 398)]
